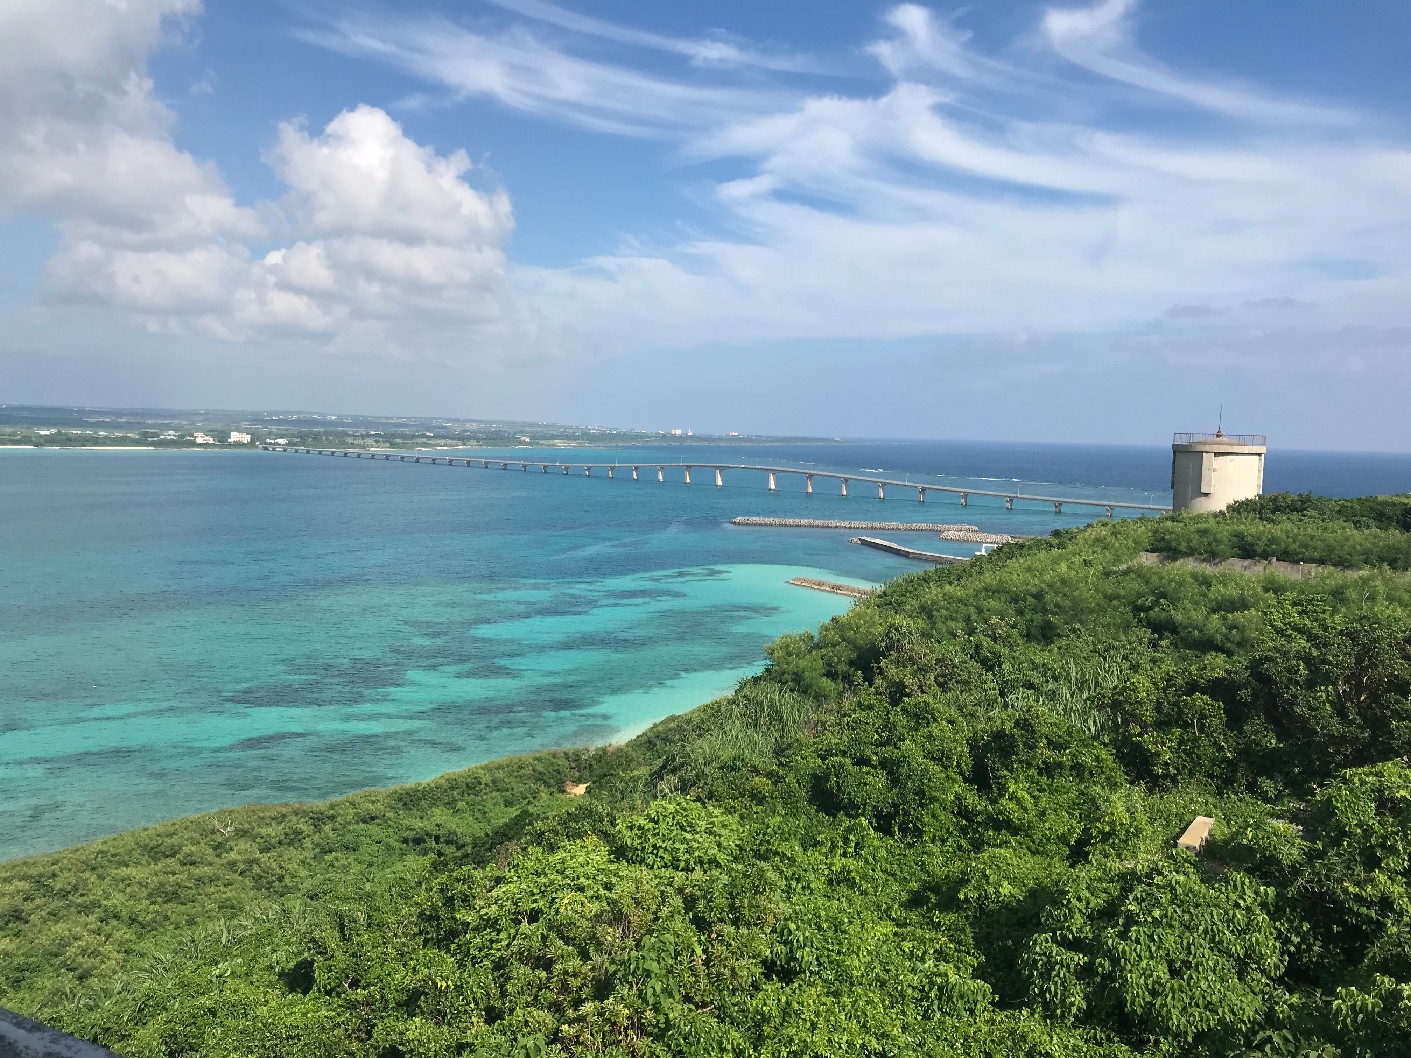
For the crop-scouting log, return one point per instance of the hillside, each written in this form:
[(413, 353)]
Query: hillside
[(944, 825)]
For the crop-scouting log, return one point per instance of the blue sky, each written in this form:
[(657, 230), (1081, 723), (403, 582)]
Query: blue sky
[(1031, 221)]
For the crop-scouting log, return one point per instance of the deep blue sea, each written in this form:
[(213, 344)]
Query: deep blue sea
[(186, 631)]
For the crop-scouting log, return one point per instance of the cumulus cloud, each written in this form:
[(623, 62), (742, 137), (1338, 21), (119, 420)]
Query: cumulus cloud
[(391, 247), (364, 176), (397, 249), (82, 140)]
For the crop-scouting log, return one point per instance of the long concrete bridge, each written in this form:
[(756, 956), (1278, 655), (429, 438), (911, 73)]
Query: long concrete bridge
[(718, 470)]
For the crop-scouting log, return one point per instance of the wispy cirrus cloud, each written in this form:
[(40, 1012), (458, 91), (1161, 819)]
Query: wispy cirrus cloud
[(516, 69), (951, 198), (1098, 38), (719, 50), (960, 190)]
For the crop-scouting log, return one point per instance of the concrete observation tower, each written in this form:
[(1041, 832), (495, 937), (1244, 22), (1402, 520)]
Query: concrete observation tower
[(1209, 471)]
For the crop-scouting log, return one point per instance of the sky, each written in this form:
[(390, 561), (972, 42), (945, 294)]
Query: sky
[(1023, 221)]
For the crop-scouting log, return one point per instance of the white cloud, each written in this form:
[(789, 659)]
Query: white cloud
[(364, 175), (149, 283), (961, 191), (701, 51), (955, 201), (397, 253), (146, 228), (393, 250), (1098, 38), (921, 42), (516, 69), (82, 139)]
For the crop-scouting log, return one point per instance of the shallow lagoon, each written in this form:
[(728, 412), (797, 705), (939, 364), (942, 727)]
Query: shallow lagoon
[(186, 631)]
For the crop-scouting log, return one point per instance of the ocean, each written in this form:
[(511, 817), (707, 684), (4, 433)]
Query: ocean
[(185, 631)]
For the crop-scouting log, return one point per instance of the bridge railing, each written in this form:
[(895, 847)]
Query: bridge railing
[(922, 488)]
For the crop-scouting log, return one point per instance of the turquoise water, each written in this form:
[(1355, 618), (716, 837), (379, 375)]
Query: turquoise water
[(186, 631)]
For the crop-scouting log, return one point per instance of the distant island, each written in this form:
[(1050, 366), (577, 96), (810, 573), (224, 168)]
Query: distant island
[(51, 426)]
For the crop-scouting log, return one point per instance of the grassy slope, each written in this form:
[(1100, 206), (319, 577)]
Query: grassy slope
[(76, 915)]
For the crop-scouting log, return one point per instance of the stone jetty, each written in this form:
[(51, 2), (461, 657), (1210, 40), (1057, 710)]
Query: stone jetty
[(909, 552), (852, 591), (975, 536), (879, 527), (954, 532)]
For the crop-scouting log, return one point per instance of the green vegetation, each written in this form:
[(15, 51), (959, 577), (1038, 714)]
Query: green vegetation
[(1353, 533), (944, 825)]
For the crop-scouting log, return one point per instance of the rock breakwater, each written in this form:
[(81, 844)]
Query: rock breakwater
[(895, 527)]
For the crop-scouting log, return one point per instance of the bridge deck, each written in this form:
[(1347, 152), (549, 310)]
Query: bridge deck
[(921, 487)]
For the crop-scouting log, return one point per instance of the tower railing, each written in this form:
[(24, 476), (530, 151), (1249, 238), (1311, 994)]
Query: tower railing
[(1233, 438)]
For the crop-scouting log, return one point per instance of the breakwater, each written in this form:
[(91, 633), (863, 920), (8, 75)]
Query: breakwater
[(880, 527), (909, 552), (852, 591), (976, 536), (956, 533)]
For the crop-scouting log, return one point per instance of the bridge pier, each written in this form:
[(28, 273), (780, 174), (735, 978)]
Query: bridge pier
[(1108, 508)]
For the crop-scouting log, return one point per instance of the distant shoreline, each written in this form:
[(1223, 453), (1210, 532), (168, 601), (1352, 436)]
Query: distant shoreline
[(546, 446)]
